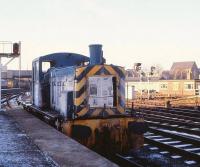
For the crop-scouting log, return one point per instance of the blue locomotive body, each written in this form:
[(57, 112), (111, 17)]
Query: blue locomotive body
[(41, 76), (89, 97)]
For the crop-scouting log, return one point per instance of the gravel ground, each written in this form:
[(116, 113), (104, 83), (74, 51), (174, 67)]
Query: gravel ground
[(16, 148)]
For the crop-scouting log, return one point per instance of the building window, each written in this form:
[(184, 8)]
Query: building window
[(163, 86), (189, 86), (176, 86)]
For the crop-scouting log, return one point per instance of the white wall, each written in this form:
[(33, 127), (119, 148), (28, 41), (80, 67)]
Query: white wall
[(139, 86)]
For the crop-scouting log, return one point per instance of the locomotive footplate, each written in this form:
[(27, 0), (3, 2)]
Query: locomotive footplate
[(49, 116)]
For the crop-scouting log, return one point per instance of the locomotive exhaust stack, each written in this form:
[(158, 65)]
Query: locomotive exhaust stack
[(96, 54)]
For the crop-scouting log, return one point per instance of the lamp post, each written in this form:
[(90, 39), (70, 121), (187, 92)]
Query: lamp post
[(152, 70), (137, 67), (148, 78)]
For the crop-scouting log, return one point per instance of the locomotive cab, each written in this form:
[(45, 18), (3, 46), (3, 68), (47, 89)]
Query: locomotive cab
[(40, 74)]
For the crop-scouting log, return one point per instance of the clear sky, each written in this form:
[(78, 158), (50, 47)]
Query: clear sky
[(147, 31)]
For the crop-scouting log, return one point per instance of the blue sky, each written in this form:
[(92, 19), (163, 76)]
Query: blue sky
[(147, 31)]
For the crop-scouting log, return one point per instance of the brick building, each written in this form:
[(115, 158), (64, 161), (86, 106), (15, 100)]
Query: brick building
[(181, 80), (184, 70)]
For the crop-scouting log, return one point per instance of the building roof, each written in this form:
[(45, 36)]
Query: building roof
[(10, 74), (182, 65), (165, 75), (165, 72)]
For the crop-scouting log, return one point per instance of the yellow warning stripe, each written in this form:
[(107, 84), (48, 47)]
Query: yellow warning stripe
[(122, 70), (111, 70), (80, 84), (79, 100), (96, 112), (120, 109), (82, 112), (93, 70), (110, 112), (79, 71)]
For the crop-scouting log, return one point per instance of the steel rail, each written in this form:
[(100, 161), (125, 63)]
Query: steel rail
[(167, 120), (178, 129), (177, 110), (173, 149), (128, 161), (175, 136), (173, 115)]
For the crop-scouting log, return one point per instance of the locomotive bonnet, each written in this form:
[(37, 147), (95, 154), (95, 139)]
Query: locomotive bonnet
[(89, 98)]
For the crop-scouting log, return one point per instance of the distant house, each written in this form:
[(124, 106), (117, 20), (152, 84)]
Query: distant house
[(132, 75), (184, 70), (199, 73), (181, 80)]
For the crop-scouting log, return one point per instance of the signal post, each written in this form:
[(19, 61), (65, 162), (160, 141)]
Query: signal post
[(10, 51)]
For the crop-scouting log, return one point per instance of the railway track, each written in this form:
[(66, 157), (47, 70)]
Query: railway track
[(185, 124), (10, 94), (171, 121), (161, 146), (173, 135), (195, 119), (190, 119), (174, 127), (179, 111), (128, 161), (186, 109), (183, 146)]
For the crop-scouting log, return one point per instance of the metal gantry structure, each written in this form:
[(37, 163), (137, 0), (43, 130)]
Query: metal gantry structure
[(9, 50)]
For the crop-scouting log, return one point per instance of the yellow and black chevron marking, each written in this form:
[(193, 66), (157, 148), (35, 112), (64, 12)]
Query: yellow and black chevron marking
[(96, 112), (81, 95), (120, 73), (79, 71), (101, 112)]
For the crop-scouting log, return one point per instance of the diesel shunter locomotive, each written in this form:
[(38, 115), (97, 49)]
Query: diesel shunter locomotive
[(86, 97)]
